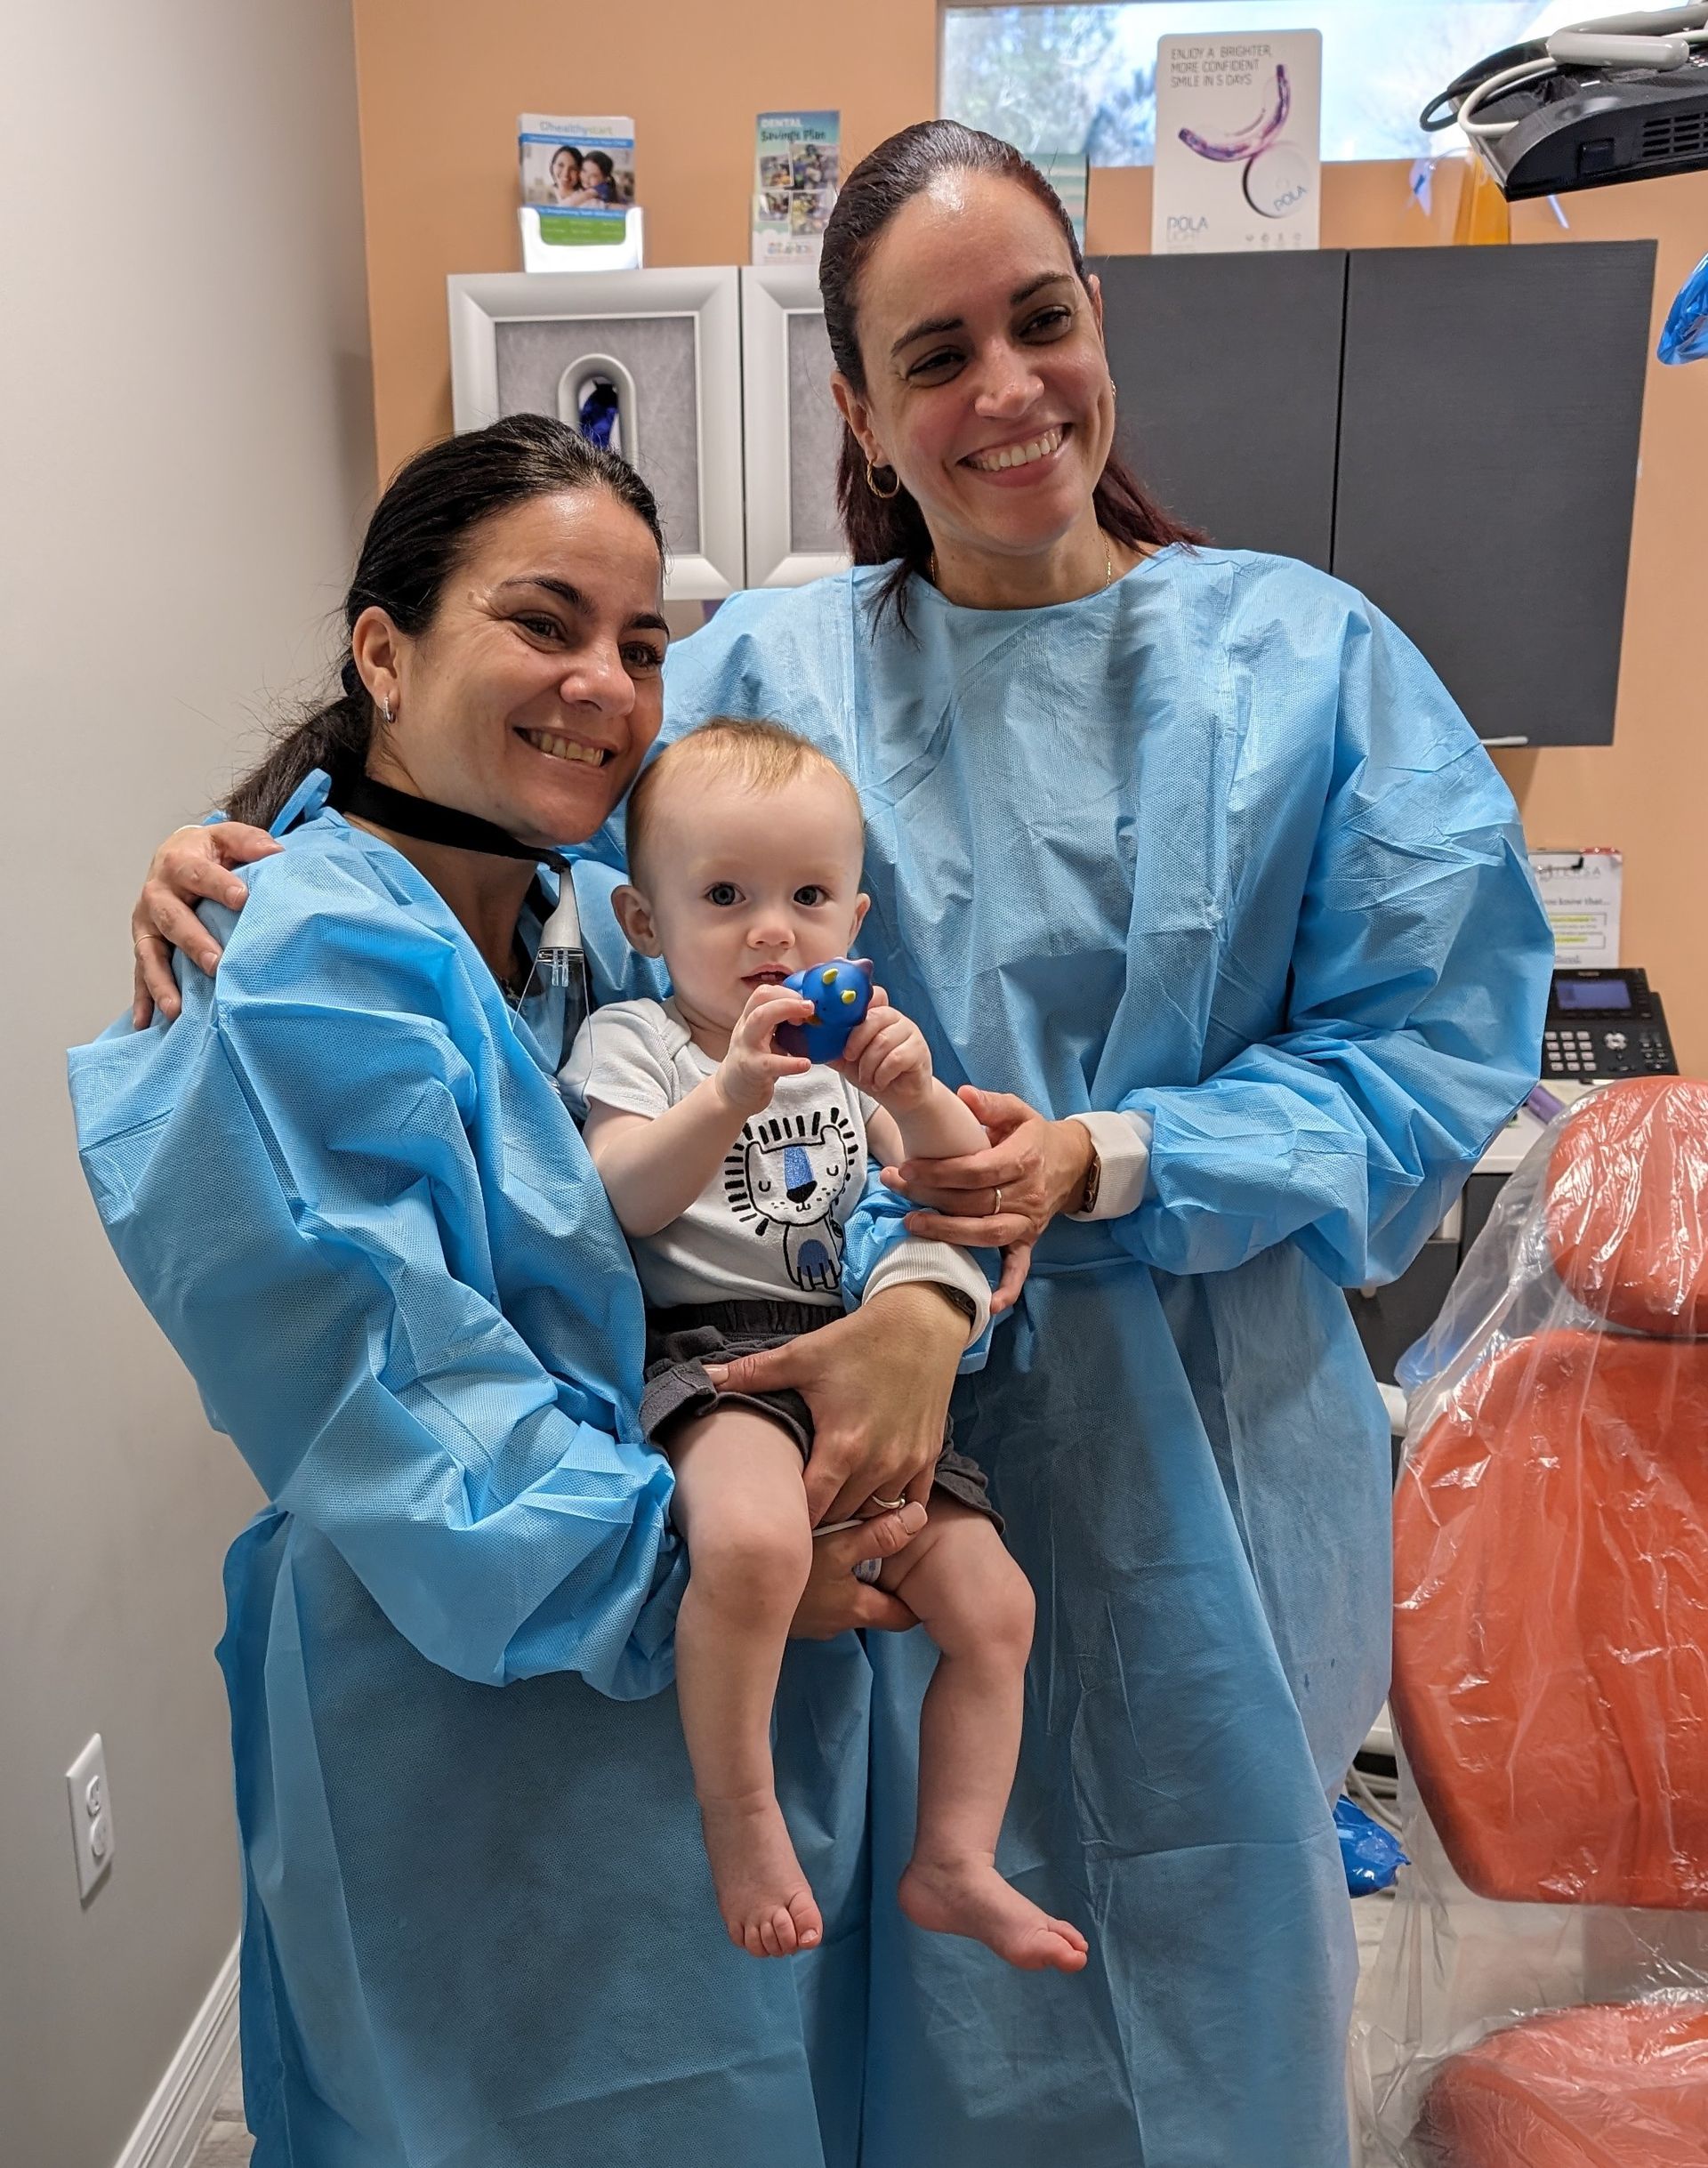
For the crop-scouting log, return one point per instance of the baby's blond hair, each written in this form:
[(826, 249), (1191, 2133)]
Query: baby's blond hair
[(766, 755)]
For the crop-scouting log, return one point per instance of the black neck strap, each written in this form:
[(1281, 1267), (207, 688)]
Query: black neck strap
[(428, 823)]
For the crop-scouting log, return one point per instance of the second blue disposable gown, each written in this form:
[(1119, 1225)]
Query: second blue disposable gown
[(1215, 847)]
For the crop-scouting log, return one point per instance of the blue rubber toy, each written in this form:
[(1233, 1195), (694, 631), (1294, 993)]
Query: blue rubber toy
[(841, 993)]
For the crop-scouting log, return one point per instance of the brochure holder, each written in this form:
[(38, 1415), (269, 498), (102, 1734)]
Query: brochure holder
[(540, 254)]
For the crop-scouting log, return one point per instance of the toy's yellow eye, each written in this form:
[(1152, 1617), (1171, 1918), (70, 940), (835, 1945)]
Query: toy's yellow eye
[(830, 977), (849, 996)]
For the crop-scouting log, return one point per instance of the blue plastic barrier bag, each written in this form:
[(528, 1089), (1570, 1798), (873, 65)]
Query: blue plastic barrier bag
[(1369, 1853), (1685, 336)]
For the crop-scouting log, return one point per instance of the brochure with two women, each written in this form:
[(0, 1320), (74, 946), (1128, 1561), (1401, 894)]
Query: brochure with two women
[(578, 173)]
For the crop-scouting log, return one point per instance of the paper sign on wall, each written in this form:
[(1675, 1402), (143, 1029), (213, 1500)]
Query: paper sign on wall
[(1238, 142), (1581, 893), (797, 170)]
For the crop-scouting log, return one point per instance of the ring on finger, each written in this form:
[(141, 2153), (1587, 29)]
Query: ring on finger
[(998, 1207), (888, 1505)]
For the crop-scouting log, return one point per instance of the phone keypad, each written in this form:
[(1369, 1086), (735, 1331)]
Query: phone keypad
[(1570, 1052)]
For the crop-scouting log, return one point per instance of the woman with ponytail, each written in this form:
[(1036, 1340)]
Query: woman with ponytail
[(478, 1923), (1200, 885)]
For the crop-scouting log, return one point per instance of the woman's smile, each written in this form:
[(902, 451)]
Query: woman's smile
[(558, 748), (1022, 459)]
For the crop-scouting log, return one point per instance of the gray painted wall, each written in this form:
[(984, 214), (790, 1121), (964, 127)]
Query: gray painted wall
[(186, 455)]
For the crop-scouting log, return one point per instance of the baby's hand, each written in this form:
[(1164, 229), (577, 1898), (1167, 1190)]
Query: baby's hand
[(748, 1073), (887, 1057)]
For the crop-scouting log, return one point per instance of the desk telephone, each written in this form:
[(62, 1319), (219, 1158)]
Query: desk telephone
[(1605, 1024)]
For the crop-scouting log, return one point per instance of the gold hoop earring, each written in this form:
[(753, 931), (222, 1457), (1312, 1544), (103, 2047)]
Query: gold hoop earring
[(872, 485)]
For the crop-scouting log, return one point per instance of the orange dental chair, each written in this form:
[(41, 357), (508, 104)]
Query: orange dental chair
[(1550, 1660)]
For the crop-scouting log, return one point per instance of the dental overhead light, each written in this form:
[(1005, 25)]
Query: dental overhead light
[(1624, 98)]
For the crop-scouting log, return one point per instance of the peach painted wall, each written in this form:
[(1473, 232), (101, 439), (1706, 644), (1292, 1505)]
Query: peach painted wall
[(441, 83), (440, 86)]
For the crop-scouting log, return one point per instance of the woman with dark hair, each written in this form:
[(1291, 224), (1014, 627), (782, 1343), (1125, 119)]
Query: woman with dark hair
[(599, 178), (565, 175), (1189, 852), (1189, 855), (478, 1927)]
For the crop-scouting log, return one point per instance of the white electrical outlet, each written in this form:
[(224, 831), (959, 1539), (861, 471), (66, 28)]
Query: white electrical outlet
[(91, 1815)]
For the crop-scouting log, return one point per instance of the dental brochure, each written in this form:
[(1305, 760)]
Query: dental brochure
[(1238, 142), (577, 178), (797, 169)]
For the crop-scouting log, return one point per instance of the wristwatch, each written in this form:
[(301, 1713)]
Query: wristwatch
[(959, 1297), (1093, 1184)]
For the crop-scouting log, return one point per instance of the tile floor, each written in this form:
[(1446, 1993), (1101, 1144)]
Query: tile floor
[(225, 2143)]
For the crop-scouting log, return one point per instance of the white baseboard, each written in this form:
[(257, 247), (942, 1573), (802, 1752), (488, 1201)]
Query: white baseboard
[(173, 2122)]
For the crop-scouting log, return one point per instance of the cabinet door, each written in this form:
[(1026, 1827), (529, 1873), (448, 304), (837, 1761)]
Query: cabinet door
[(668, 343), (790, 430), (1492, 402), (1227, 369)]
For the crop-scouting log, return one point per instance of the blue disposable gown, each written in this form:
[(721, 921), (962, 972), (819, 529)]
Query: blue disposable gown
[(479, 1930), (1215, 847)]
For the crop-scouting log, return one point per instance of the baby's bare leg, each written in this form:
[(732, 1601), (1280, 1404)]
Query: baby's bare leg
[(976, 1604), (742, 1508)]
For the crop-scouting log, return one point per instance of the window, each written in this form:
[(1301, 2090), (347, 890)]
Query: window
[(1083, 78)]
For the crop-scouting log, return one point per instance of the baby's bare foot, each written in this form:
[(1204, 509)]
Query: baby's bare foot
[(764, 1897), (968, 1897)]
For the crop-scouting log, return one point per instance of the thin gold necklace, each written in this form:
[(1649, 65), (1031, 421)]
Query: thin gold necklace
[(1108, 567)]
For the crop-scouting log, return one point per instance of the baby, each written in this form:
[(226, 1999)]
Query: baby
[(732, 1167)]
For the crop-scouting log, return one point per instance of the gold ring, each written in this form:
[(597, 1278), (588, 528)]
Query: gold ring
[(888, 1505)]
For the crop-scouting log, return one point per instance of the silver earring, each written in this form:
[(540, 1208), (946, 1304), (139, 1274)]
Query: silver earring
[(385, 709)]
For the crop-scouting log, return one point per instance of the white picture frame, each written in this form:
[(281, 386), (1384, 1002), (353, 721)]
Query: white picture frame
[(482, 303), (772, 297)]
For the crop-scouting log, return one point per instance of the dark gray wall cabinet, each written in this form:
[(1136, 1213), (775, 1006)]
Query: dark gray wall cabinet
[(1453, 430)]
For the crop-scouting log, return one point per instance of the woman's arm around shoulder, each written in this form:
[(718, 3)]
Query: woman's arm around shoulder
[(195, 865)]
